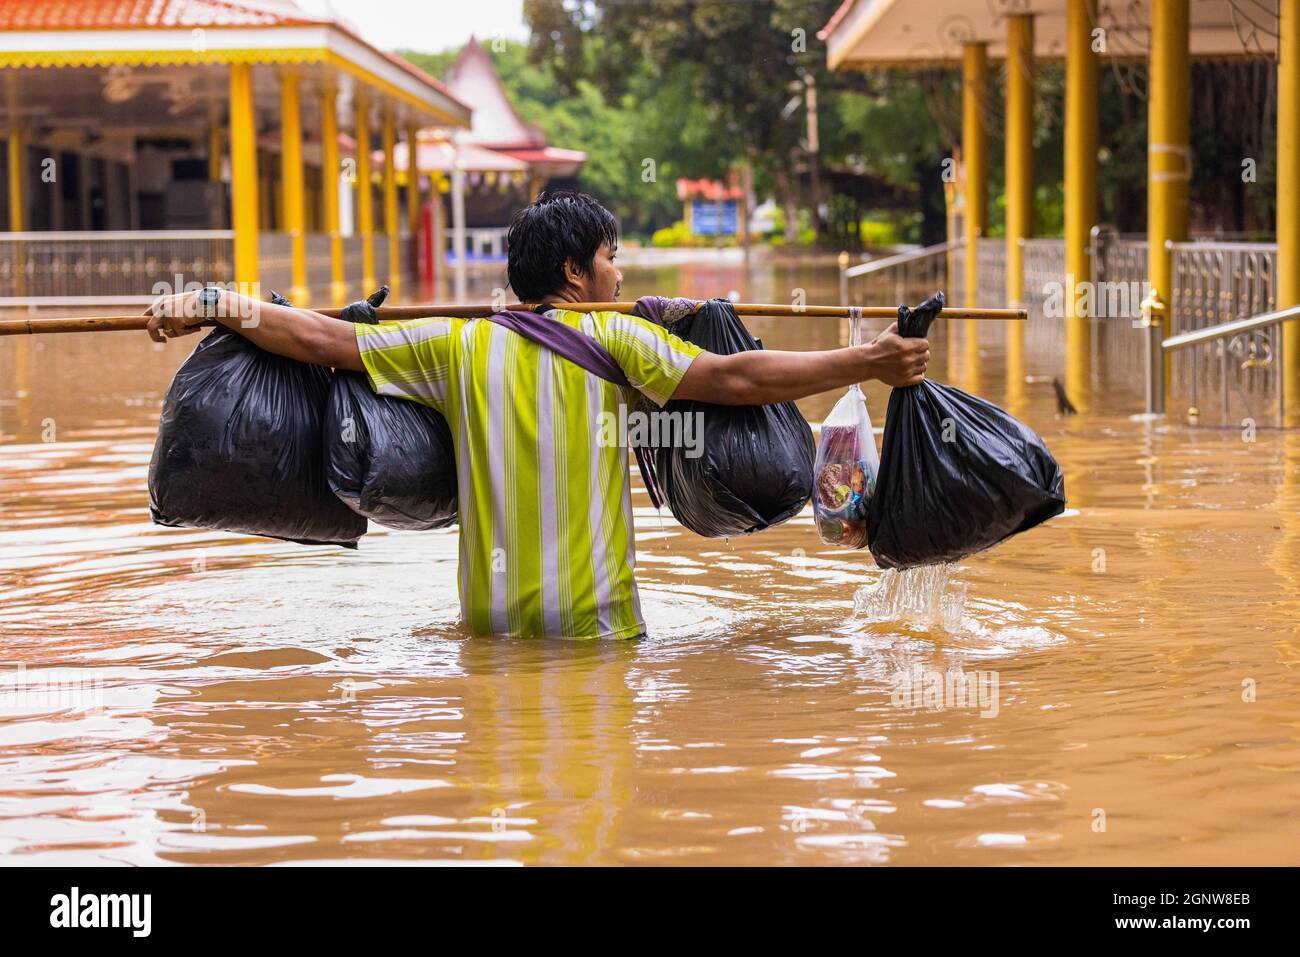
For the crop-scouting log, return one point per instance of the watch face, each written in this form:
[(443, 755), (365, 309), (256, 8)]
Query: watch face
[(208, 298)]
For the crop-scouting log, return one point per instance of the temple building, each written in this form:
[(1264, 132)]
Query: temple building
[(500, 163), (1182, 332), (207, 140)]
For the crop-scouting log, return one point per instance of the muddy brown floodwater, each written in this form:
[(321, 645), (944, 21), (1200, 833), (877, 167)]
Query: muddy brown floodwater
[(1115, 687)]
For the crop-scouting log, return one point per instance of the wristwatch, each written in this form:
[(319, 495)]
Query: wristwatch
[(208, 299)]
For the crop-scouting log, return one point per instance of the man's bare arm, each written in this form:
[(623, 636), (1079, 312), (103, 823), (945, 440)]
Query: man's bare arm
[(765, 376), (295, 333)]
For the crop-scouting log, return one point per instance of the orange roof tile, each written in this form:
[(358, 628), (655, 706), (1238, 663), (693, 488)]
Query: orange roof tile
[(18, 15), (136, 14)]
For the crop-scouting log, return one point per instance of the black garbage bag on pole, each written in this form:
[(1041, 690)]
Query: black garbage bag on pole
[(957, 474), (391, 460), (240, 449), (756, 466)]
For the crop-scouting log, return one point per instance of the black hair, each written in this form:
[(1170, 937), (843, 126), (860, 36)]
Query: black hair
[(562, 225)]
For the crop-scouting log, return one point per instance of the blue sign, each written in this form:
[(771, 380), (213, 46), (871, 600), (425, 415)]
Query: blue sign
[(705, 219)]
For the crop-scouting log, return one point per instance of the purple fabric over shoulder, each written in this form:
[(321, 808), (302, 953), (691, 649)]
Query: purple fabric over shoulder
[(584, 351), (576, 346)]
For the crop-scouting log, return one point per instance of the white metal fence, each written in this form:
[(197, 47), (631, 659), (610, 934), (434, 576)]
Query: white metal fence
[(1225, 379), (76, 268)]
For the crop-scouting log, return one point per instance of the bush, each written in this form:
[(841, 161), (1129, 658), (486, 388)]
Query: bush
[(875, 233), (678, 234)]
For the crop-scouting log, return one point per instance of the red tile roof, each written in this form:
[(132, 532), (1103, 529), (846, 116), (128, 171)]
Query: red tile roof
[(136, 14), (20, 15)]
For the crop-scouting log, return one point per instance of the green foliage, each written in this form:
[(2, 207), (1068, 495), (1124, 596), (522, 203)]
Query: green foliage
[(678, 234), (654, 92), (877, 233)]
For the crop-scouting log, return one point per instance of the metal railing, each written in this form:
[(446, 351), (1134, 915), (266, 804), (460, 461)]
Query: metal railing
[(76, 268), (904, 277), (1247, 345), (353, 265), (320, 263), (992, 287), (1217, 283), (482, 244), (1044, 264), (93, 268), (275, 262)]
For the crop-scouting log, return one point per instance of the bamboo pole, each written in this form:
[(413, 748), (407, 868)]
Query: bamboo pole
[(18, 327)]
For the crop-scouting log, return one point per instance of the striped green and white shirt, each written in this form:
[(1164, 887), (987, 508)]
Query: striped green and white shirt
[(546, 533)]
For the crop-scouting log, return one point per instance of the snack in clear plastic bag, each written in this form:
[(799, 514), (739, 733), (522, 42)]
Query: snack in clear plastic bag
[(845, 470)]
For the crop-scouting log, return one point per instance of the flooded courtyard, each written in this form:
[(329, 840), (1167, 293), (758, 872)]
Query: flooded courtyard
[(1116, 687)]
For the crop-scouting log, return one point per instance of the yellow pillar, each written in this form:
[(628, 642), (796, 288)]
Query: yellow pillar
[(329, 182), (214, 151), (17, 194), (365, 200), (390, 204), (1019, 183), (439, 185), (243, 177), (17, 188), (1288, 200), (1081, 140), (974, 145), (413, 200), (1169, 159), (17, 149), (1019, 149), (291, 177)]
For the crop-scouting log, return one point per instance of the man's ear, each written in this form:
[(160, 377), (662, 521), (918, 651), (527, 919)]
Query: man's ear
[(573, 274)]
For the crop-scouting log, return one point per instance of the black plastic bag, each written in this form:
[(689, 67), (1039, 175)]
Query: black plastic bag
[(957, 474), (756, 466), (239, 447), (391, 460)]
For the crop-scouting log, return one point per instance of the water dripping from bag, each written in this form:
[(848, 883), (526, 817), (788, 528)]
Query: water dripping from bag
[(925, 597)]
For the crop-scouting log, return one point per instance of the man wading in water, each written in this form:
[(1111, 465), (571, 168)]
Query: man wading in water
[(545, 508)]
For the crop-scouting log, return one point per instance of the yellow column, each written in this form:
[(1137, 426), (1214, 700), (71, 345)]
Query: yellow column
[(291, 177), (390, 204), (365, 201), (974, 145), (1081, 140), (17, 188), (329, 181), (17, 148), (243, 177), (439, 185), (1169, 158), (1288, 200), (413, 200), (17, 194), (1019, 183)]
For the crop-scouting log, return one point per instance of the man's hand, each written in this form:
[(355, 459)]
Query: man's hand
[(896, 361), (184, 313), (174, 316), (663, 311)]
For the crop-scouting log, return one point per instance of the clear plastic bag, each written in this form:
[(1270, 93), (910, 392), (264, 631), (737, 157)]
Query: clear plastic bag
[(845, 470)]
